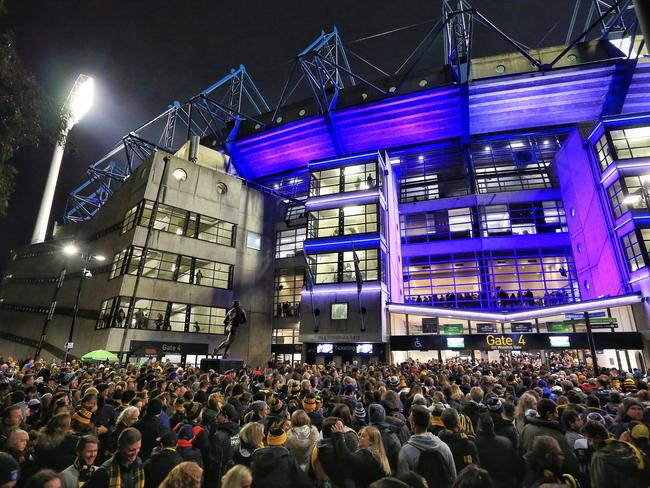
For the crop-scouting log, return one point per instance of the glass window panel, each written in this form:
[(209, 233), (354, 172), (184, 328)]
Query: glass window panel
[(289, 242), (288, 286)]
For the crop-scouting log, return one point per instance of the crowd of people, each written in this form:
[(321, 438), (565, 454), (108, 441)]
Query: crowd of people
[(499, 299), (513, 423)]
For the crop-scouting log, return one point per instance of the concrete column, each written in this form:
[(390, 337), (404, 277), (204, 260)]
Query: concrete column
[(642, 8)]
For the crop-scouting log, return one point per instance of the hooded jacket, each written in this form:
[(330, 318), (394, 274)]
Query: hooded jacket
[(499, 457), (158, 466), (536, 427), (617, 463), (300, 442), (274, 467), (409, 454)]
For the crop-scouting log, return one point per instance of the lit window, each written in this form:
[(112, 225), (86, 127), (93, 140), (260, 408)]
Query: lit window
[(253, 240), (339, 311)]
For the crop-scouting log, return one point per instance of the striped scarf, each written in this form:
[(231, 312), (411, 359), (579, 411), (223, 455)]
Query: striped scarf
[(115, 475), (85, 471)]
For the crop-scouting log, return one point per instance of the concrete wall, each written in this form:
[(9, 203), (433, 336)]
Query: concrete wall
[(595, 256)]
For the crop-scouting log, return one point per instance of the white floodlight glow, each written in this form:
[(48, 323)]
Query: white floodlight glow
[(70, 249), (631, 199), (99, 258), (81, 98)]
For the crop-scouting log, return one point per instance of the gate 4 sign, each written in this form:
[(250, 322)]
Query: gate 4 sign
[(505, 341)]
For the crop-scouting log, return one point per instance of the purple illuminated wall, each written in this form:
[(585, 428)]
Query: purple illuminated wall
[(593, 251)]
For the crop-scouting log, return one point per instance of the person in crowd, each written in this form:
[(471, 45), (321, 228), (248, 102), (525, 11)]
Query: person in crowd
[(461, 443), (45, 478), (301, 438), (223, 435), (124, 468), (12, 418), (392, 444), (474, 477), (239, 476), (368, 463), (162, 460), (425, 453), (546, 424), (632, 411), (572, 424), (55, 447), (185, 448), (497, 454), (186, 475), (614, 462), (527, 402), (77, 474), (17, 446), (150, 427), (544, 461), (274, 466), (475, 406), (9, 471), (126, 418), (251, 438)]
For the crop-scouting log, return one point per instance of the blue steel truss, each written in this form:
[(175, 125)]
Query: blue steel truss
[(325, 67), (216, 111)]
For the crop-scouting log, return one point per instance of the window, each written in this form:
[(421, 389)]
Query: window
[(634, 252), (347, 179), (517, 164), (189, 224), (339, 311), (339, 267), (129, 219), (631, 143), (215, 230), (253, 240), (105, 313), (288, 285), (173, 267), (492, 279), (354, 219), (285, 336), (162, 316), (289, 242), (210, 273), (119, 260), (604, 152), (294, 212), (523, 218), (431, 173)]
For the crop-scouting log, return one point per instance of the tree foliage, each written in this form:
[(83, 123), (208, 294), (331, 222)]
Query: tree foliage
[(28, 117)]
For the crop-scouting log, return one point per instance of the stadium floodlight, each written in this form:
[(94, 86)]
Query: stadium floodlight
[(78, 103)]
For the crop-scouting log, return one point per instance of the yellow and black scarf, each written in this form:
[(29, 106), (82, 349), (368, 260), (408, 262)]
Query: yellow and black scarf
[(85, 471), (115, 478)]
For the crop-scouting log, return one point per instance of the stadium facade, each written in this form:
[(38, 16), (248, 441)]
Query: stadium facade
[(438, 215)]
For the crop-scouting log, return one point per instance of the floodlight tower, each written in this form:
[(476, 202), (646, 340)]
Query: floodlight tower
[(77, 104)]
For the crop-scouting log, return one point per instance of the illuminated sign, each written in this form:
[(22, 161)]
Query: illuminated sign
[(455, 342), (452, 329), (364, 349), (560, 341), (486, 328), (324, 348), (505, 341), (522, 327)]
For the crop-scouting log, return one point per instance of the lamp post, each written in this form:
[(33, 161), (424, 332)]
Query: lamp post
[(78, 104), (85, 274)]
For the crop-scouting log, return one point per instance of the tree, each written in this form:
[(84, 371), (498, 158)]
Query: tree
[(28, 117)]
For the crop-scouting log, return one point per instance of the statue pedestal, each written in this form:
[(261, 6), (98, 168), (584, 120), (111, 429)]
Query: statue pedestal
[(222, 365)]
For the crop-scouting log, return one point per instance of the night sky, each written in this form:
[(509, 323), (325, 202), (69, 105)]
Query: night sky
[(145, 54)]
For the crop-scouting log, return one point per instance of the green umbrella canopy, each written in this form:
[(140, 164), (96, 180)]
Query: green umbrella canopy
[(99, 355)]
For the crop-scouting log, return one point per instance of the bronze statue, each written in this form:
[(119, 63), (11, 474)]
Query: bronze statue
[(234, 318)]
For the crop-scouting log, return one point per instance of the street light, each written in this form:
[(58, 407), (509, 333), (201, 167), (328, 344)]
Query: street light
[(78, 104), (68, 250)]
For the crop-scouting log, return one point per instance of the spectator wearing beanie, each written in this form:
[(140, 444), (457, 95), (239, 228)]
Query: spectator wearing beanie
[(9, 471), (502, 424), (194, 412), (310, 406), (184, 447), (150, 427), (163, 459), (392, 444), (632, 410), (546, 424), (274, 465)]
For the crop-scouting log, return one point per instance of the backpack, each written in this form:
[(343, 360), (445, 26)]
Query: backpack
[(392, 447), (431, 466), (220, 453)]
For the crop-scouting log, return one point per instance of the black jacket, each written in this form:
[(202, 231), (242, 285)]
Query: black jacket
[(462, 448), (360, 467), (499, 457), (190, 454), (473, 411), (55, 452), (158, 466), (151, 428), (392, 444), (274, 467), (506, 428)]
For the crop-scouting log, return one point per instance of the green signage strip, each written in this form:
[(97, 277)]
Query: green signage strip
[(450, 329), (564, 326)]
